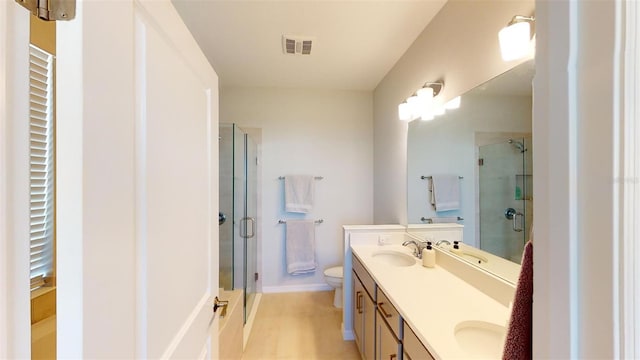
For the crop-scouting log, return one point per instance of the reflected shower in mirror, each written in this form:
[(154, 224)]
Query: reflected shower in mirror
[(487, 143)]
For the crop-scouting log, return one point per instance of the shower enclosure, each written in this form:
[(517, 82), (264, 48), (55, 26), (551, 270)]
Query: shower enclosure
[(238, 212), (505, 204)]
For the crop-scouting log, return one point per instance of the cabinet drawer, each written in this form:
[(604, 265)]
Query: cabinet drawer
[(365, 278), (389, 313), (412, 346)]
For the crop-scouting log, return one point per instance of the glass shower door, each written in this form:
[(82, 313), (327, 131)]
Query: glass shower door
[(251, 213), (238, 212), (505, 188)]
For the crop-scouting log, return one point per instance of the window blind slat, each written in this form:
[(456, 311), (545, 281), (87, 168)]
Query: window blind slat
[(41, 165)]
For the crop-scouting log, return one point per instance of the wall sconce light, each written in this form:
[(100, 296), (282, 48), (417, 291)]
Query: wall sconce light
[(515, 38), (425, 104)]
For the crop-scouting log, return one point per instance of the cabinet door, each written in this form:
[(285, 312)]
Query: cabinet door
[(388, 346), (369, 346), (412, 347), (358, 311)]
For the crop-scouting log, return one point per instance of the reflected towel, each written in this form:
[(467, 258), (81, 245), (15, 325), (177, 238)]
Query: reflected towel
[(444, 219), (301, 247), (445, 192), (518, 341), (298, 193)]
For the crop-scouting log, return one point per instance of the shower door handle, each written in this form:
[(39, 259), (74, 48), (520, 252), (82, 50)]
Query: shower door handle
[(517, 228), (512, 214), (244, 227)]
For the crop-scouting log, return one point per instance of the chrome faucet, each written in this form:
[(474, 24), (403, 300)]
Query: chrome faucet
[(443, 242), (419, 246)]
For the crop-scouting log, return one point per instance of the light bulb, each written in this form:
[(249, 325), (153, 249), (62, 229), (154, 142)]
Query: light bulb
[(425, 95), (438, 107), (427, 115), (515, 40), (414, 105), (404, 112)]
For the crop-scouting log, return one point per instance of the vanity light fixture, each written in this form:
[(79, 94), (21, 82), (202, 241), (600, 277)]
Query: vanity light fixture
[(515, 38), (430, 100), (425, 96), (425, 104), (404, 112), (414, 105)]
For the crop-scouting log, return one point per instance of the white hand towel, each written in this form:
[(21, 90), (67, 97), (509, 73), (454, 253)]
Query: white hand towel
[(442, 220), (445, 192), (301, 247), (298, 193)]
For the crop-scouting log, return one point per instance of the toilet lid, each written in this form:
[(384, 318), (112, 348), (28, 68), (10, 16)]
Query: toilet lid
[(335, 271)]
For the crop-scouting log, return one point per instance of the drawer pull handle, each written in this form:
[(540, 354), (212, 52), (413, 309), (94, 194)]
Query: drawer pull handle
[(392, 357), (358, 302), (382, 310)]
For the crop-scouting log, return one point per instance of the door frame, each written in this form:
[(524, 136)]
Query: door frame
[(15, 333)]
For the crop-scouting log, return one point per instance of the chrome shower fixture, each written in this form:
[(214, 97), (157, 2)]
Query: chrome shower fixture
[(518, 144)]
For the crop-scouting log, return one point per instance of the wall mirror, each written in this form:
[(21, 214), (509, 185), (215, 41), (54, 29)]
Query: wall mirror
[(486, 143)]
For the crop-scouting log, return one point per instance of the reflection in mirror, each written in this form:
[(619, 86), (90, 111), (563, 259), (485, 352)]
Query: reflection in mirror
[(487, 143)]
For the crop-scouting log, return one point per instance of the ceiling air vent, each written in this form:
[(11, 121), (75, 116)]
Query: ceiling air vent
[(300, 45)]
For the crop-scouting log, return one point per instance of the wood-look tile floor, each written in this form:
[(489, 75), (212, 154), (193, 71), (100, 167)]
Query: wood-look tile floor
[(302, 325)]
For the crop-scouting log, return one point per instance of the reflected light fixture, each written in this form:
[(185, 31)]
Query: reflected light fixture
[(425, 104), (515, 38), (453, 103)]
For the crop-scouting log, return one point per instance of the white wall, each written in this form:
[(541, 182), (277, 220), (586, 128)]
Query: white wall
[(317, 132), (459, 46), (448, 145)]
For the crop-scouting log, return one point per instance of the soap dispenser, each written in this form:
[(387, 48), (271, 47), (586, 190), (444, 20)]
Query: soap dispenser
[(428, 256), (456, 248)]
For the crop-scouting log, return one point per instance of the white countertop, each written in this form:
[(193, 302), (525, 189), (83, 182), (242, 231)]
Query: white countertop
[(432, 300)]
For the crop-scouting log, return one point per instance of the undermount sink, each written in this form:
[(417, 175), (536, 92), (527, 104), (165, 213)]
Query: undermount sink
[(474, 258), (480, 338), (394, 258)]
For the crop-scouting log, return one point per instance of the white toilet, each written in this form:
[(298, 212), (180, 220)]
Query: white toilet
[(333, 276)]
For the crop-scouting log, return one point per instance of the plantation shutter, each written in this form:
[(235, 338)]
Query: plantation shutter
[(41, 165)]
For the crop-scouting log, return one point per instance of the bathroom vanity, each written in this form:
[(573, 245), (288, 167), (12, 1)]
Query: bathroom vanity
[(395, 308)]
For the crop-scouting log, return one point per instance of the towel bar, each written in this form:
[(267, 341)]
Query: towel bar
[(430, 220), (319, 221), (429, 177), (315, 177)]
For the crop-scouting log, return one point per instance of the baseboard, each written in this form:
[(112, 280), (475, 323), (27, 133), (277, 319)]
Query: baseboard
[(347, 334), (296, 288), (248, 327)]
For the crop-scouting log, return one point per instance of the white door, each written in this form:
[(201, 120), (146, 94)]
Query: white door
[(176, 141), (137, 180)]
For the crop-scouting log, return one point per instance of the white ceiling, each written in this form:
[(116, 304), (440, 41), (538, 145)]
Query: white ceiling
[(355, 42)]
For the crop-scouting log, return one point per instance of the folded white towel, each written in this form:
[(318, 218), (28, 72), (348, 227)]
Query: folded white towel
[(301, 247), (298, 193), (441, 220), (445, 192)]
